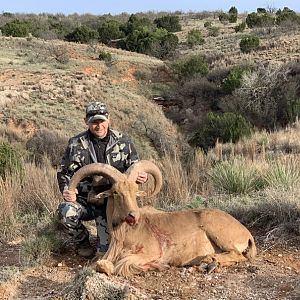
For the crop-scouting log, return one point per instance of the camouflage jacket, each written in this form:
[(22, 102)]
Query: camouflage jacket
[(120, 153)]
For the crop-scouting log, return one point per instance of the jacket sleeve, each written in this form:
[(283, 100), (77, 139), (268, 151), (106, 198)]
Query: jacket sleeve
[(66, 169), (133, 156)]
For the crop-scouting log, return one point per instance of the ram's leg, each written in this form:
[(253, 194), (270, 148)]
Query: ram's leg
[(225, 258), (106, 263), (131, 264)]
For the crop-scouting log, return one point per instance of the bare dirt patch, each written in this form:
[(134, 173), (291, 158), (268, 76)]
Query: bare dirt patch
[(275, 274)]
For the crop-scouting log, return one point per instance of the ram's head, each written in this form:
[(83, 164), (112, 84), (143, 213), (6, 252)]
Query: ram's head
[(124, 188)]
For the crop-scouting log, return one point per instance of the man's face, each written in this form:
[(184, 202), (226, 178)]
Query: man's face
[(99, 128)]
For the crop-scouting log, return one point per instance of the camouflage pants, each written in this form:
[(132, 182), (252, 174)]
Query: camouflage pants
[(71, 215)]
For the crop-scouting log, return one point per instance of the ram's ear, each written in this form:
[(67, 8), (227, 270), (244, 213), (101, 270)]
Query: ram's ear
[(141, 194), (104, 194)]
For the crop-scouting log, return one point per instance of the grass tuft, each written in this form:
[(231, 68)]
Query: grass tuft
[(284, 173), (236, 177)]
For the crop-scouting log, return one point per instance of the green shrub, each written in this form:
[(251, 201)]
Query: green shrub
[(233, 10), (17, 28), (169, 22), (159, 42), (287, 15), (190, 66), (232, 14), (195, 37), (207, 24), (259, 20), (228, 127), (233, 80), (240, 27), (236, 177), (110, 30), (134, 23), (213, 31), (163, 44), (232, 18), (11, 161), (260, 10), (249, 43), (106, 56), (197, 202), (223, 17), (82, 34)]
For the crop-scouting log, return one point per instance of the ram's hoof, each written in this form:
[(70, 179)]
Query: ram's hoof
[(211, 267), (104, 266)]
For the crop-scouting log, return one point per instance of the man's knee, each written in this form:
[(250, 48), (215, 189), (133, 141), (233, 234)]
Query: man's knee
[(69, 213)]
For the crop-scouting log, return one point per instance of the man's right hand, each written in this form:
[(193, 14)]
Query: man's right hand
[(70, 196)]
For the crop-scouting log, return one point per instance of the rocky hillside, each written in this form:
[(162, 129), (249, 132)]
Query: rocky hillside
[(46, 84)]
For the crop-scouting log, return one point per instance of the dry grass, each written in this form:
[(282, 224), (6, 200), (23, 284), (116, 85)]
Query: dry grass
[(266, 210), (37, 94), (183, 179), (262, 145), (35, 193)]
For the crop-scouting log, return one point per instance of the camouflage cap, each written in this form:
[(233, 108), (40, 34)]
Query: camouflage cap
[(96, 111)]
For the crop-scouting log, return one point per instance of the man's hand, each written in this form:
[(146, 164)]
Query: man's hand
[(142, 177), (70, 196)]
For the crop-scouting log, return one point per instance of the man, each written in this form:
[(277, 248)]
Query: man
[(101, 144)]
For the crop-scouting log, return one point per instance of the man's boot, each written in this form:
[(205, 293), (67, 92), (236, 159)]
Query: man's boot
[(85, 249)]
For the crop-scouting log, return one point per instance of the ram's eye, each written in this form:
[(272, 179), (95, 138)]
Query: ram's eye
[(115, 193)]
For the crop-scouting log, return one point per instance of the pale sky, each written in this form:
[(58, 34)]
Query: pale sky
[(98, 7)]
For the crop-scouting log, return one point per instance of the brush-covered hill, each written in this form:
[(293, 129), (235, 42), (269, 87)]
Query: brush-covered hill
[(47, 84)]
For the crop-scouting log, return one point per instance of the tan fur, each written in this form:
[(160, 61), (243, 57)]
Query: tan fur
[(178, 238), (145, 239)]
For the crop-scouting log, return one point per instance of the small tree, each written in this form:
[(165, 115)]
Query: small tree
[(249, 43), (135, 23), (228, 127), (169, 22), (82, 34), (223, 18), (261, 10), (287, 15), (232, 14), (195, 37), (109, 30), (17, 28), (240, 27), (159, 43), (259, 20), (190, 66)]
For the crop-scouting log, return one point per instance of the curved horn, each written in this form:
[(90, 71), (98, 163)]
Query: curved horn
[(148, 167), (104, 170)]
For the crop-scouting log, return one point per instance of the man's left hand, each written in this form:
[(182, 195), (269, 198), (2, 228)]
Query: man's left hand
[(142, 177)]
